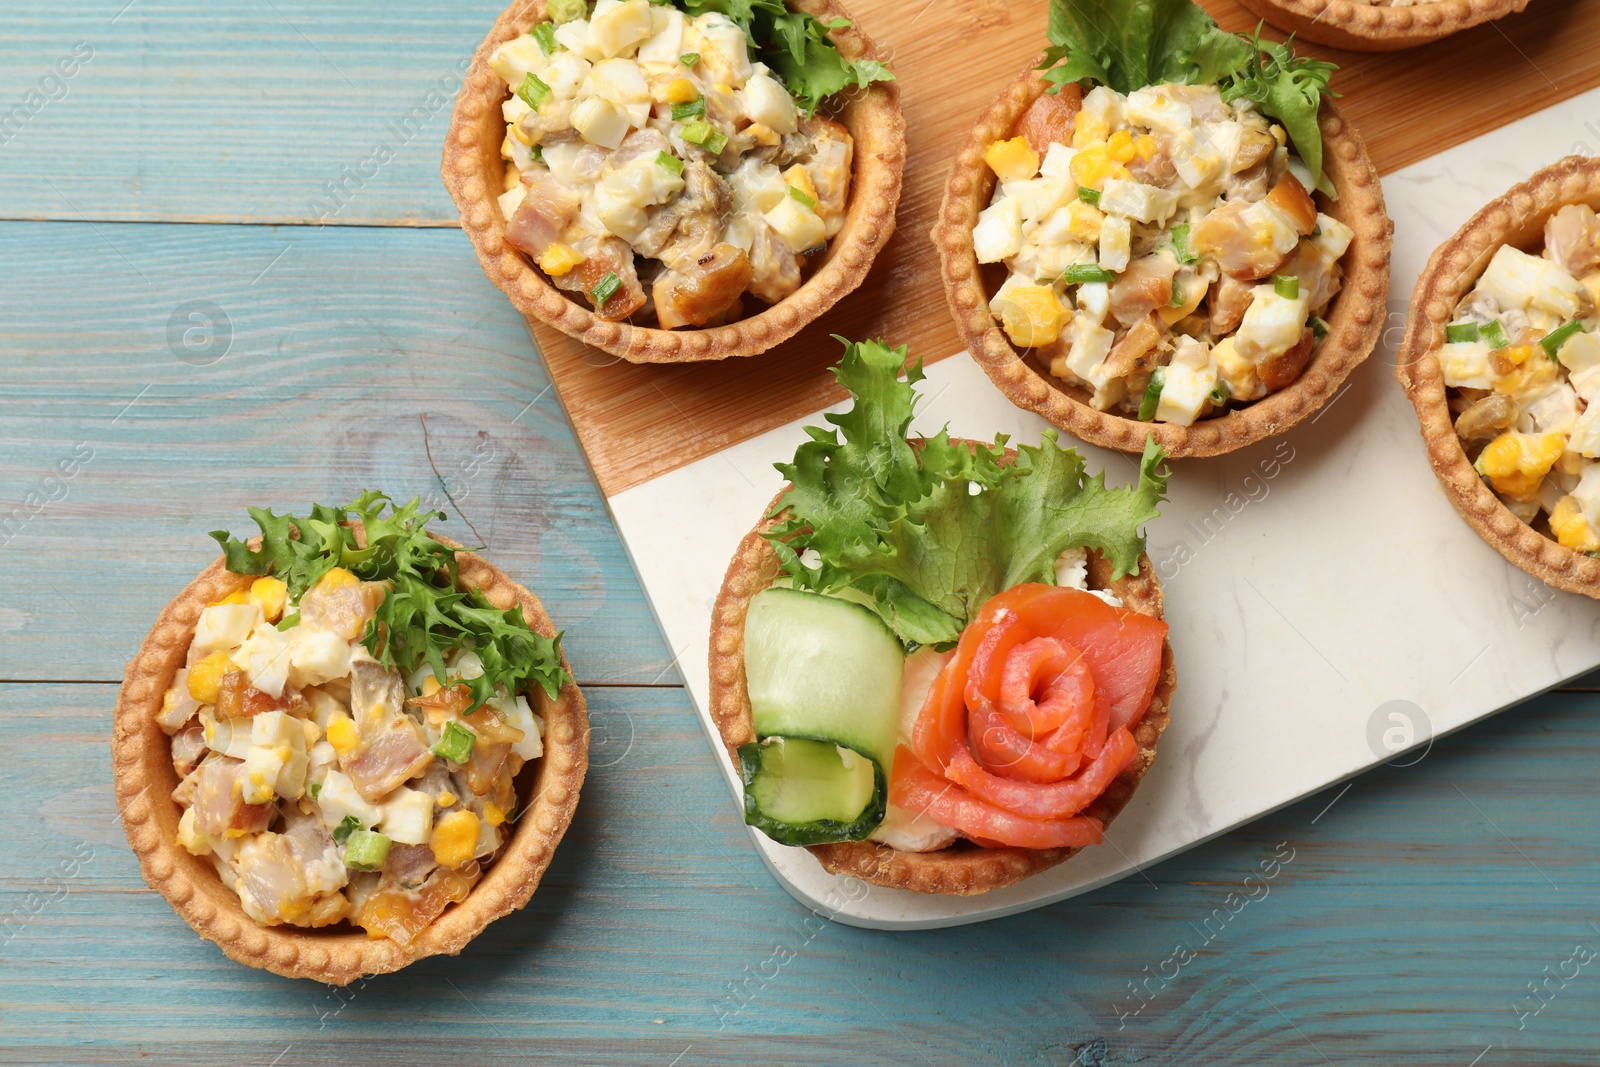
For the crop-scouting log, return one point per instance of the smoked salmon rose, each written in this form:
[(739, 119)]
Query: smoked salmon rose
[(1031, 719)]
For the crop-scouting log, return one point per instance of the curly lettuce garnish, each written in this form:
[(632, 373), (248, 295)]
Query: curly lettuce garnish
[(1129, 44), (796, 46), (930, 532), (423, 617)]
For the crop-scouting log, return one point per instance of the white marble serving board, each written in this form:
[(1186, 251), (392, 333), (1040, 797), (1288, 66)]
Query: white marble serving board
[(1328, 607)]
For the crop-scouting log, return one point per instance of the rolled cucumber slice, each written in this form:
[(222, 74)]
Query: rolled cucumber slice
[(823, 668), (799, 791)]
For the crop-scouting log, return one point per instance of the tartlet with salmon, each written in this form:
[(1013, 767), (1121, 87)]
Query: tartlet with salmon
[(348, 744), (1174, 236), (676, 181), (1501, 359), (940, 665)]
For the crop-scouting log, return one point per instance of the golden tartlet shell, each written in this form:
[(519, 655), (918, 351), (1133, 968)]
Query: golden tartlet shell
[(1518, 219), (1368, 28), (141, 762), (1355, 318), (960, 869), (473, 172)]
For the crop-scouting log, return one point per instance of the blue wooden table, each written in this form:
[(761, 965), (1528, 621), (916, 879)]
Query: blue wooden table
[(229, 275)]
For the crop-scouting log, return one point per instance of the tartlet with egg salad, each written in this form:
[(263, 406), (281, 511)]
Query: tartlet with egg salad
[(347, 744), (1501, 359), (940, 665), (1186, 249), (676, 181), (1379, 25)]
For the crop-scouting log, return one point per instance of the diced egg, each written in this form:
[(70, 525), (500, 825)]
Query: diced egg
[(1585, 439), (197, 844), (766, 101), (1058, 161), (1581, 356), (516, 59), (1038, 198), (223, 628), (1237, 371), (408, 816), (1156, 109), (1465, 364), (601, 122), (1103, 112), (316, 656), (1135, 200), (565, 74), (518, 714), (1514, 279), (799, 226), (1554, 412), (1030, 314), (278, 755), (265, 658), (1272, 325), (340, 798), (1335, 238), (1190, 379), (1198, 162), (231, 737), (729, 58), (998, 234), (574, 37), (1094, 301), (1116, 243), (617, 26), (665, 43)]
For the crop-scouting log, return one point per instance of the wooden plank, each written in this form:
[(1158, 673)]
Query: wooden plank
[(656, 924), (358, 358), (691, 411)]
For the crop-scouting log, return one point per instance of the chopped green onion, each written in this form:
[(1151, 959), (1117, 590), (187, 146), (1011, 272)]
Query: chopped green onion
[(1180, 244), (803, 198), (315, 789), (1494, 333), (706, 136), (1152, 394), (1316, 230), (1086, 273), (1319, 329), (533, 91), (693, 109), (1288, 288), (689, 59), (289, 621), (669, 162), (604, 288), (545, 34), (455, 743), (537, 152), (1089, 196), (366, 850), (1220, 393), (1461, 332), (348, 826), (1552, 342), (567, 10), (1177, 295)]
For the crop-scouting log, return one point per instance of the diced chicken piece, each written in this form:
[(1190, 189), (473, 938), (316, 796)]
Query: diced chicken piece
[(1572, 238), (775, 270), (484, 765), (547, 209), (713, 284), (409, 865), (692, 223), (400, 914), (1049, 120), (1205, 101), (1248, 241), (832, 151), (341, 606), (313, 847), (1145, 286), (1230, 299), (188, 749), (1136, 345), (377, 694), (1280, 370), (271, 886), (1291, 198), (219, 807), (1554, 412)]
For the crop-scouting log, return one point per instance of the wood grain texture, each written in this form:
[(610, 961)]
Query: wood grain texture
[(1401, 927), (340, 375), (1395, 100)]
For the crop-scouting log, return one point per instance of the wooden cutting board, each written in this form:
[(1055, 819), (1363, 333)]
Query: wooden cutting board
[(950, 58)]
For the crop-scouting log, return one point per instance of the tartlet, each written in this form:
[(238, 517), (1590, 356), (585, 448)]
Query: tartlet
[(472, 171), (960, 869), (1354, 318), (1516, 219), (1379, 27), (144, 775)]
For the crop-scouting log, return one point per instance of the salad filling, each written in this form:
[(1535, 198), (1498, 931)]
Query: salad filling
[(1522, 361), (1154, 213), (666, 161), (348, 729), (930, 644)]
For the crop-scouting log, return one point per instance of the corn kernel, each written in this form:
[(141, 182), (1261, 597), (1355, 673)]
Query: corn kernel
[(493, 814), (1013, 160), (270, 595), (1119, 146), (764, 135), (238, 596), (1030, 314), (455, 838), (342, 734), (1093, 167), (1087, 129), (1516, 463), (1146, 147), (205, 677), (1084, 221), (681, 91), (559, 259), (338, 578), (446, 799), (797, 177), (1572, 528), (1521, 371)]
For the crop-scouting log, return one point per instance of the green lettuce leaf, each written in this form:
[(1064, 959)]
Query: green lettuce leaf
[(930, 533), (796, 46), (1290, 88), (423, 617)]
